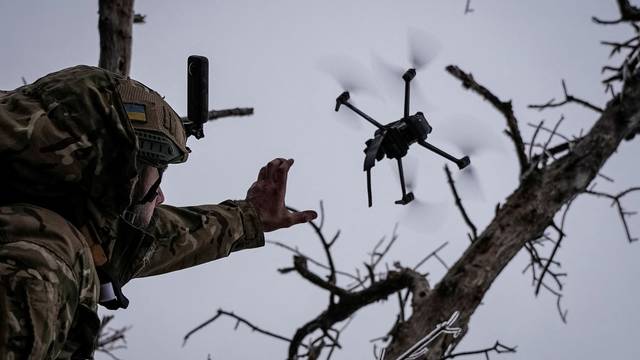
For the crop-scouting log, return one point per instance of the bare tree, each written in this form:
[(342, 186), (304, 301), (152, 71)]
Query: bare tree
[(553, 172)]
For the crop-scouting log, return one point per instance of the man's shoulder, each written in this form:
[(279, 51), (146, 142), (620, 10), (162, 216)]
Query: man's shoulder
[(37, 238)]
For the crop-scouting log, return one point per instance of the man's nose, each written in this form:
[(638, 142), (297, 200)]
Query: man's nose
[(159, 197)]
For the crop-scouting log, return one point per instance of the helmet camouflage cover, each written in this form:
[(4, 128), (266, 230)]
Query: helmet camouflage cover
[(68, 143), (160, 133)]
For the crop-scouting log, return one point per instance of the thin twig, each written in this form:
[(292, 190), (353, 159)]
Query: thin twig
[(239, 320), (498, 348), (311, 260), (326, 245), (621, 212), (474, 231), (467, 8), (568, 98), (434, 253)]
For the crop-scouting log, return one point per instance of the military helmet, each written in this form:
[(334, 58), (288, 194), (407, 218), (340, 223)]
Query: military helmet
[(160, 132)]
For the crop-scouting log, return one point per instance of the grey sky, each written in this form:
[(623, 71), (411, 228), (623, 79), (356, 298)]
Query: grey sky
[(266, 55)]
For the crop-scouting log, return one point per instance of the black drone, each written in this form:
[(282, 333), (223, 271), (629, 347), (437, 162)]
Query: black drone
[(394, 139)]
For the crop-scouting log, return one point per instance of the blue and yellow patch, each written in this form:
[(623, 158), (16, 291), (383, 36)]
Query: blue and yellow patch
[(135, 112)]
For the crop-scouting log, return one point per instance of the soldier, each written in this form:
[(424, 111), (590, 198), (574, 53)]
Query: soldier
[(83, 151)]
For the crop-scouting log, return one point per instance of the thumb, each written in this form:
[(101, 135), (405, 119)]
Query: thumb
[(302, 216)]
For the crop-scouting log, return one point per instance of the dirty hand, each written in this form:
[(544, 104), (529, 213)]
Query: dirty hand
[(267, 197)]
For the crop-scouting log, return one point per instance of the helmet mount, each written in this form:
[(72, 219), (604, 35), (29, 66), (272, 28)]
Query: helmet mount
[(160, 132)]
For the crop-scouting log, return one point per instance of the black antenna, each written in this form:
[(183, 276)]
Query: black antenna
[(197, 95)]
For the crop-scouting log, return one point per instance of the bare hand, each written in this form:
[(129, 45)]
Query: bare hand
[(267, 197)]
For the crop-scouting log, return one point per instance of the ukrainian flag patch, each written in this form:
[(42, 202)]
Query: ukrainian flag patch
[(135, 112)]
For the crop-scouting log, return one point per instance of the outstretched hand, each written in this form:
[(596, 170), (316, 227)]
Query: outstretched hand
[(267, 197)]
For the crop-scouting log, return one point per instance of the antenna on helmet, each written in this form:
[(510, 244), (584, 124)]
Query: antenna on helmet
[(197, 95)]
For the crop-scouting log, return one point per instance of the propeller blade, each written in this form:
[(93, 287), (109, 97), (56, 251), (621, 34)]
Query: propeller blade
[(423, 48), (390, 75), (471, 136), (422, 215), (351, 75), (468, 184)]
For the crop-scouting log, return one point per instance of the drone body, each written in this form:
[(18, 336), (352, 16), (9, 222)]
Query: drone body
[(394, 139)]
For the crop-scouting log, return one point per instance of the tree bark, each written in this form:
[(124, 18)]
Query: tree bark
[(527, 212), (115, 25)]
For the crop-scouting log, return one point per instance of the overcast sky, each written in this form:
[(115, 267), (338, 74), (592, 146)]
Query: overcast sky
[(273, 55)]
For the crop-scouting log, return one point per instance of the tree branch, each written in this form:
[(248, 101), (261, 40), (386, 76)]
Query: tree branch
[(567, 99), (349, 303), (474, 232), (219, 114), (505, 108), (498, 348), (239, 321), (311, 260), (628, 13), (621, 212), (300, 264)]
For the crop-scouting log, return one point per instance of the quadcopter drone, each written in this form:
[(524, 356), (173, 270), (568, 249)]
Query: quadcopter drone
[(394, 139)]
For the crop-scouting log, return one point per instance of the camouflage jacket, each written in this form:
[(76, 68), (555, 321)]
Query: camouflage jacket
[(68, 155)]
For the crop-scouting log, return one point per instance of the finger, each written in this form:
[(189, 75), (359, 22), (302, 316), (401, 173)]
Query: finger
[(272, 166), (262, 174), (282, 171), (302, 217)]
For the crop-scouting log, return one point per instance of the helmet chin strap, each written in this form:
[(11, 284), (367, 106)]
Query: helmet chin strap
[(151, 194)]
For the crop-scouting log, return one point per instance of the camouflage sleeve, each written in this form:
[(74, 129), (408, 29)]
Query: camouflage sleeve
[(189, 236), (46, 286), (38, 300)]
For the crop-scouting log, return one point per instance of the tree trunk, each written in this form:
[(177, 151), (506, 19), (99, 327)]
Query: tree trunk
[(527, 212), (115, 24)]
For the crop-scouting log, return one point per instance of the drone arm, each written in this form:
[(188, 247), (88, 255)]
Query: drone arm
[(343, 99), (407, 77), (365, 116), (407, 96), (462, 162)]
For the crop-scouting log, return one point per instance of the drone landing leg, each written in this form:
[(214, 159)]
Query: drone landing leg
[(369, 187), (406, 198), (462, 162)]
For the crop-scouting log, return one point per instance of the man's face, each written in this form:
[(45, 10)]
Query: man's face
[(144, 212)]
